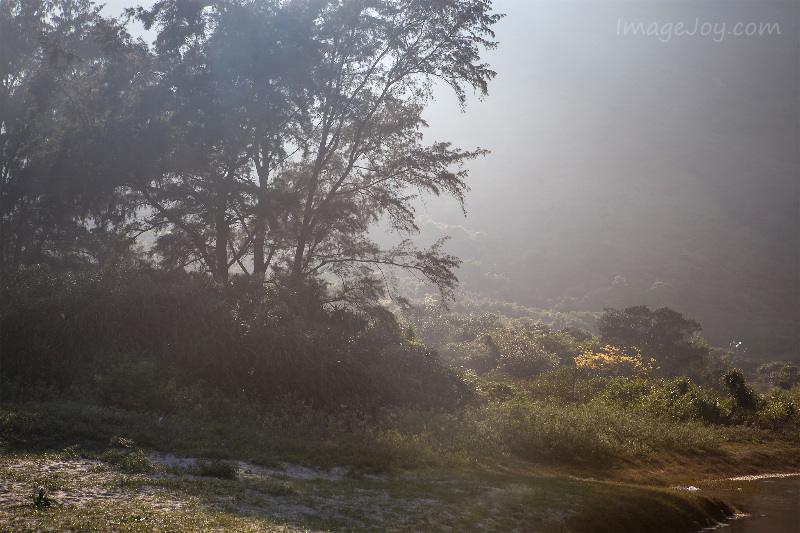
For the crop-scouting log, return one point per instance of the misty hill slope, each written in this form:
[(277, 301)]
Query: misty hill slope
[(629, 170)]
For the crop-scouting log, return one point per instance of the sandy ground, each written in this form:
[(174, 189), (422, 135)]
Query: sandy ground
[(80, 482), (71, 482), (77, 482), (283, 471)]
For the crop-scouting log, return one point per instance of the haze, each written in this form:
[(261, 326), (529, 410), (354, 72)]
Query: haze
[(613, 155), (666, 162)]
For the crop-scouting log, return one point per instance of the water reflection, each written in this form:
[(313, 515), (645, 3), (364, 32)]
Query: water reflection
[(772, 503)]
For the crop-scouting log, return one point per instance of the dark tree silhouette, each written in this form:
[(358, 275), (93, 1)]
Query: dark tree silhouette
[(296, 126), (664, 334)]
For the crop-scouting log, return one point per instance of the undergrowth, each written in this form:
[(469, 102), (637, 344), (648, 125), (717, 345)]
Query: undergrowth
[(145, 360), (386, 440)]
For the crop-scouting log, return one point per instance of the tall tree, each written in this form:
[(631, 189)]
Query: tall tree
[(297, 126), (228, 69), (663, 334), (362, 157), (69, 79)]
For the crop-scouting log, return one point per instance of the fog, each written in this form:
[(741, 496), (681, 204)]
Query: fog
[(641, 153), (668, 159)]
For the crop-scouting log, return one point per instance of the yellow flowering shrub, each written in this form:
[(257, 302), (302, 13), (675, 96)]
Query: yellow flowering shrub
[(613, 361)]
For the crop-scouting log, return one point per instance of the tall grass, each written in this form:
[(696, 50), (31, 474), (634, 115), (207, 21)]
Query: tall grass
[(228, 427), (594, 431)]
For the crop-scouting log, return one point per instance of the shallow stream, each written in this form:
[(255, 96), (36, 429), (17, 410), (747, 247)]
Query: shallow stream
[(772, 503)]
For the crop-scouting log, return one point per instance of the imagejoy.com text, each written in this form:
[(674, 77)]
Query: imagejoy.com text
[(717, 31)]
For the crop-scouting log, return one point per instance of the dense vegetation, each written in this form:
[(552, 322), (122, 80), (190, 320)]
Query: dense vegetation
[(115, 364), (144, 341), (263, 321)]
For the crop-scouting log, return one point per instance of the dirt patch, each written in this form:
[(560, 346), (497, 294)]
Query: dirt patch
[(282, 471), (734, 461), (256, 491), (69, 482), (667, 470)]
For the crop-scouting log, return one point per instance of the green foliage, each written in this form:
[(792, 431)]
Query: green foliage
[(487, 342), (497, 391), (743, 396), (219, 468), (663, 334), (707, 371), (680, 399), (626, 392), (593, 431), (468, 319), (132, 462), (42, 499), (780, 373), (522, 350), (781, 409), (136, 384), (676, 399), (141, 337), (567, 384), (55, 325)]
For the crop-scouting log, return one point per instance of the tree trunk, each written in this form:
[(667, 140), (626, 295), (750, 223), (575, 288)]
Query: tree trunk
[(220, 268), (259, 265), (297, 264)]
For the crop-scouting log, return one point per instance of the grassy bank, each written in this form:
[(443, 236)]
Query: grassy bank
[(101, 496), (292, 468)]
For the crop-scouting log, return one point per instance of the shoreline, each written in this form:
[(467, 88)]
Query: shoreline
[(559, 496)]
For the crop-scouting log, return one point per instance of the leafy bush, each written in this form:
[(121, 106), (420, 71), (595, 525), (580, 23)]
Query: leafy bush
[(780, 373), (780, 410), (677, 399), (135, 384), (613, 361), (567, 384), (56, 324), (519, 350), (593, 431), (143, 336), (626, 392), (219, 468), (680, 399), (128, 461), (743, 396), (457, 333)]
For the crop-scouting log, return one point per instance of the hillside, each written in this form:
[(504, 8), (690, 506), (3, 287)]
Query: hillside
[(634, 171)]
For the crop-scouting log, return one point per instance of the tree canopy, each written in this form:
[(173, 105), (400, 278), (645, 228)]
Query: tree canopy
[(69, 77), (262, 136), (663, 334)]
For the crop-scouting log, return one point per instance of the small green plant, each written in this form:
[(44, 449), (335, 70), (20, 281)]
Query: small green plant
[(129, 462), (218, 468), (120, 442), (41, 499)]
